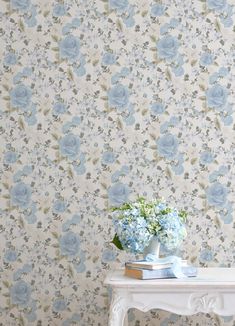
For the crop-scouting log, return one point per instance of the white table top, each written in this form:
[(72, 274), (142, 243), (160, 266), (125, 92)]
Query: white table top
[(208, 278)]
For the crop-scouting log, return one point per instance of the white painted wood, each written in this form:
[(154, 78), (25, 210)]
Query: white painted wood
[(213, 290)]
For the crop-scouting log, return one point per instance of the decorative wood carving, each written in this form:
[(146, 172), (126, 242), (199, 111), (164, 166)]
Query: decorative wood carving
[(205, 302)]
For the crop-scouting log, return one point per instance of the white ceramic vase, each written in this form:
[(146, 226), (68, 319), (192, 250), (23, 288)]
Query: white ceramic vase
[(153, 247)]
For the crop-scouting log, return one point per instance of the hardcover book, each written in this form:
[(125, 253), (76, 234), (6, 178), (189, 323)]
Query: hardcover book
[(145, 274), (143, 264)]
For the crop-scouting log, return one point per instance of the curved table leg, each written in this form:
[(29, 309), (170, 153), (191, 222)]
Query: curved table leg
[(118, 310)]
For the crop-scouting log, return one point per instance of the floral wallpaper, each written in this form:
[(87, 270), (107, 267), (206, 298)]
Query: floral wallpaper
[(102, 101)]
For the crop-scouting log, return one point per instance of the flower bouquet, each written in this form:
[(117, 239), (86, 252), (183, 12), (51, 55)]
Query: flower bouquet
[(138, 222)]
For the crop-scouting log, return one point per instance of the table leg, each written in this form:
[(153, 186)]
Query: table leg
[(118, 310)]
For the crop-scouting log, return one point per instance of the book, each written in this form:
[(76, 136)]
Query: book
[(143, 264), (145, 274)]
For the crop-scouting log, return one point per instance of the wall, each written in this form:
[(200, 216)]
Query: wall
[(102, 102)]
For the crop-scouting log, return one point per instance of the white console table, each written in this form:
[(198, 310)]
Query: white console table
[(213, 290)]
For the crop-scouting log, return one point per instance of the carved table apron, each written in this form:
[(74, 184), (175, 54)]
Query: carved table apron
[(213, 290)]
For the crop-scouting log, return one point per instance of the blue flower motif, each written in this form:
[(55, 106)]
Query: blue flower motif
[(69, 146), (69, 48), (108, 256), (157, 10), (167, 146), (206, 59), (10, 59), (108, 158), (20, 293), (59, 108), (217, 5), (157, 108), (206, 157), (119, 5), (206, 255), (108, 59), (10, 157), (216, 96), (59, 206), (10, 256), (118, 96), (69, 244), (22, 5), (168, 48), (59, 10), (59, 305), (118, 194), (21, 195), (20, 97), (217, 195)]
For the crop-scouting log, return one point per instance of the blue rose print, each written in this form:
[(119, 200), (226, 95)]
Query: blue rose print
[(206, 59), (157, 10), (59, 305), (168, 48), (108, 158), (167, 146), (20, 293), (59, 108), (20, 97), (206, 256), (206, 157), (157, 108), (118, 194), (10, 59), (118, 96), (119, 5), (217, 5), (10, 256), (69, 146), (21, 195), (69, 48), (217, 195), (108, 59), (22, 5), (216, 96), (59, 206), (59, 10), (10, 157), (69, 244)]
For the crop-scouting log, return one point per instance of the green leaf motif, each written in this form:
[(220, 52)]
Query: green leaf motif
[(117, 242)]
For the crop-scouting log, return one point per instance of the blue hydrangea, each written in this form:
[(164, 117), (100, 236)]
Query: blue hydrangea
[(133, 232)]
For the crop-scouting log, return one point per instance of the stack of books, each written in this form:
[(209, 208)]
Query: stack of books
[(146, 270)]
